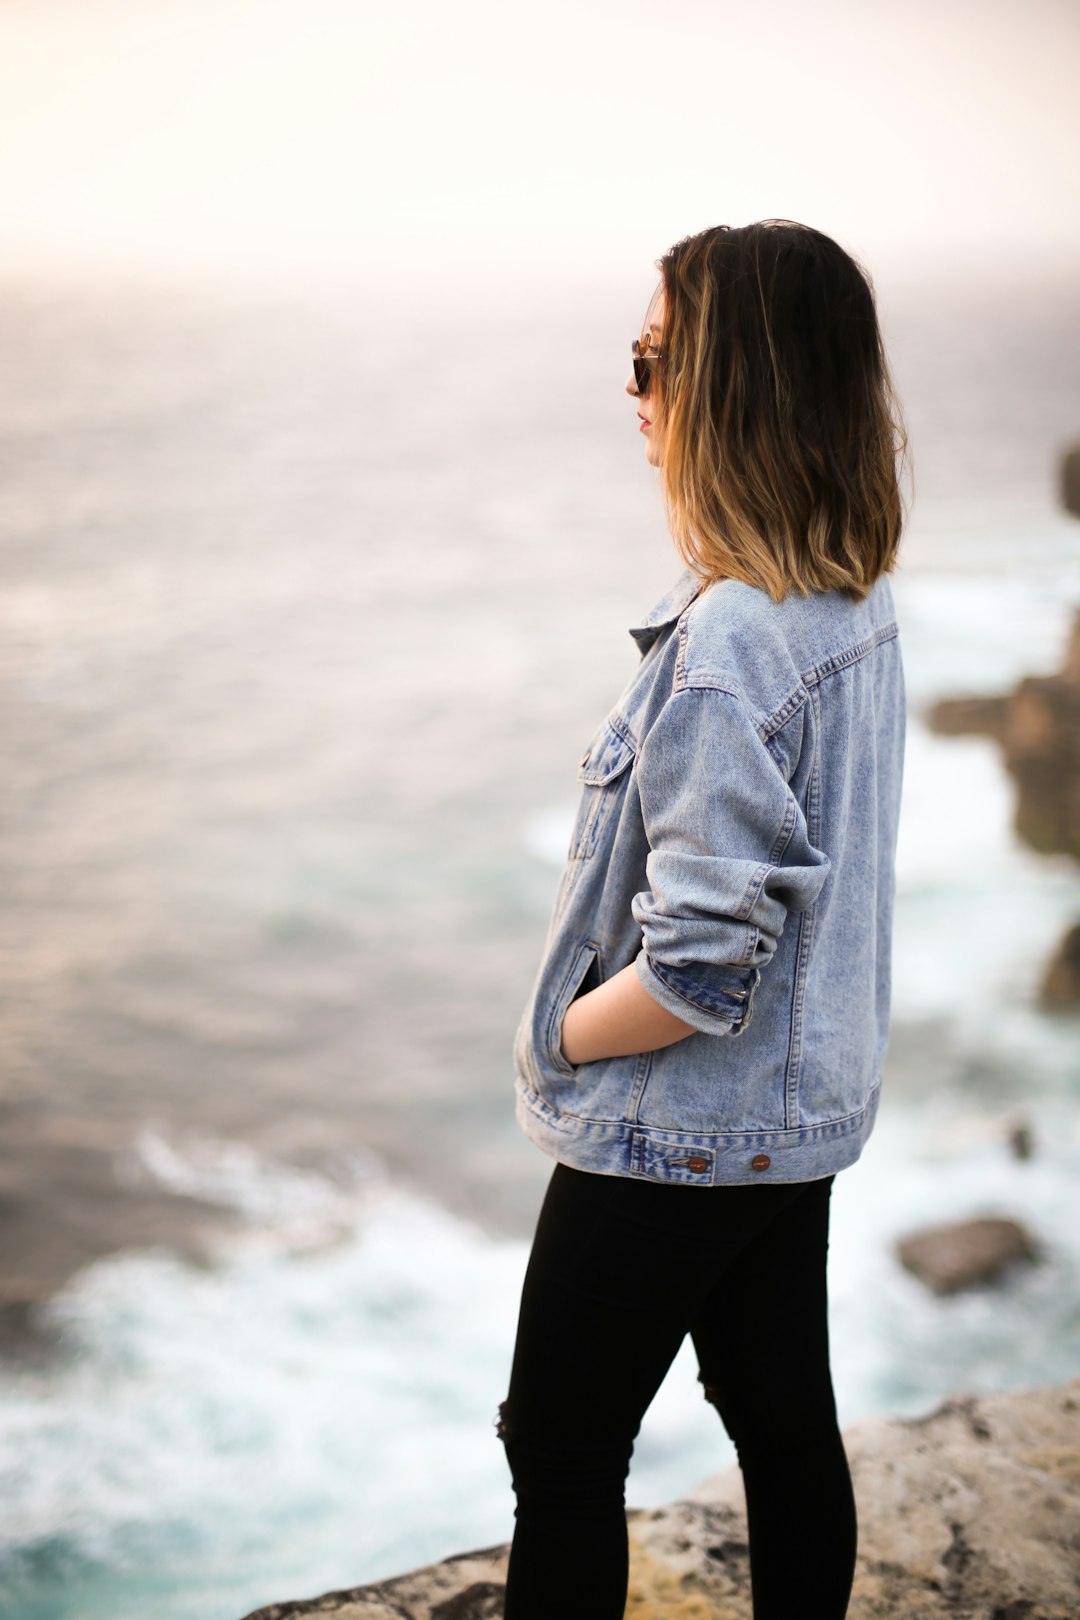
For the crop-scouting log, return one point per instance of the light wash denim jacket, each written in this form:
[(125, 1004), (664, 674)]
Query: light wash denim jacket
[(734, 840)]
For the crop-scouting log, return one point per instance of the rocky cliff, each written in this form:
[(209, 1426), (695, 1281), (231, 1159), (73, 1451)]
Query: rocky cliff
[(972, 1512)]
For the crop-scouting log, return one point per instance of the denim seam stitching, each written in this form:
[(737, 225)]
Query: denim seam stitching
[(780, 716), (755, 884), (690, 1002), (787, 830), (554, 1015), (766, 728), (638, 1085), (795, 699), (618, 769), (660, 1133), (624, 729), (806, 932), (850, 655), (736, 995)]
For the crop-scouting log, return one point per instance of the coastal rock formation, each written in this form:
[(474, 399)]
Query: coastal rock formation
[(969, 717), (973, 1511), (948, 1258), (1038, 728), (1060, 988), (1070, 480)]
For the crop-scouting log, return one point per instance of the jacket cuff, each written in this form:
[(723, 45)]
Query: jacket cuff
[(715, 999)]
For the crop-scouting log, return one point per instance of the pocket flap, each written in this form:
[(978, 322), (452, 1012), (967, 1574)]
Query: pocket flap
[(607, 756)]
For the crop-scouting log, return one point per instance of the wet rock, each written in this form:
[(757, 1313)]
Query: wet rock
[(1021, 1140), (1060, 989), (1042, 753), (1038, 728), (1070, 480), (973, 1510), (969, 716), (948, 1258)]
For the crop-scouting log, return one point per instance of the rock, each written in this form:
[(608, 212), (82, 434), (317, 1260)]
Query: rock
[(968, 716), (948, 1258), (469, 1586), (1038, 727), (972, 1511), (1070, 480), (1021, 1140), (1041, 743), (1060, 989)]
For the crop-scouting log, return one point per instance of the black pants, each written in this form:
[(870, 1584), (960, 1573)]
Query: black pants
[(620, 1271)]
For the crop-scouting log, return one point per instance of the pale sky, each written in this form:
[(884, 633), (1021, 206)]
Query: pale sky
[(335, 133)]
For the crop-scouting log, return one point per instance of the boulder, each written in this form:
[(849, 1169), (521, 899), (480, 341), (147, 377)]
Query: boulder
[(1070, 480), (948, 1258), (1060, 989), (1041, 743), (969, 716), (1021, 1139), (1038, 728), (972, 1511)]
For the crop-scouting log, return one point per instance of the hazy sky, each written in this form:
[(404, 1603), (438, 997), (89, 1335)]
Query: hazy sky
[(337, 132)]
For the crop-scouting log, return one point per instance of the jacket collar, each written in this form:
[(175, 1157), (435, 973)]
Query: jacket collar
[(667, 610)]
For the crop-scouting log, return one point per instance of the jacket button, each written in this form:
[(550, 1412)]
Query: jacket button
[(760, 1161), (697, 1164)]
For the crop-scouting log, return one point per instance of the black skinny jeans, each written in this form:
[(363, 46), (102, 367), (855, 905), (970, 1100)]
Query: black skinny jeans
[(620, 1271)]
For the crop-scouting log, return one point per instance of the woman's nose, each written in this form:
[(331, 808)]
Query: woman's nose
[(631, 385)]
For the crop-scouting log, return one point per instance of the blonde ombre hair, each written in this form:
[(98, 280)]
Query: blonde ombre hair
[(783, 438)]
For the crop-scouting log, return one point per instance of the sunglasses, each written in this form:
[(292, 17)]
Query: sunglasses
[(644, 364)]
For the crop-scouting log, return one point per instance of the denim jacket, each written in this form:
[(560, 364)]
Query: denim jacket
[(735, 841)]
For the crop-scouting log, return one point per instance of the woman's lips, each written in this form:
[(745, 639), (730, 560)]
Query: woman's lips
[(644, 425)]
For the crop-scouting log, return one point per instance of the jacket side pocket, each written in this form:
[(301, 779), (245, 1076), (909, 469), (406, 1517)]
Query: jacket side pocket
[(583, 974)]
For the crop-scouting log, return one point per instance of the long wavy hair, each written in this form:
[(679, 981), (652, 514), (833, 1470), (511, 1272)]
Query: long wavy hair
[(783, 439)]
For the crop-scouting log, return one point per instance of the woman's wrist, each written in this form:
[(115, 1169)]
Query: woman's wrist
[(617, 1018)]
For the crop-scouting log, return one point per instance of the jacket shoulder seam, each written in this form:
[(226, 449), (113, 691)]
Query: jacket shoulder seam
[(790, 705), (850, 655), (766, 727)]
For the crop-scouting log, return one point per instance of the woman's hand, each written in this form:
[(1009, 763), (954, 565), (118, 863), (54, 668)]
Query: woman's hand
[(617, 1018)]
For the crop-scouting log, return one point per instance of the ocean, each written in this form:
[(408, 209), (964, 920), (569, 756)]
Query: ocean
[(311, 598)]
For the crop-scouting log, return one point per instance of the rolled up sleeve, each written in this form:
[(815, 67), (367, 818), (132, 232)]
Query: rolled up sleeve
[(729, 857)]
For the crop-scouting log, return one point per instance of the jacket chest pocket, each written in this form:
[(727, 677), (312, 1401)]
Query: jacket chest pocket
[(602, 773)]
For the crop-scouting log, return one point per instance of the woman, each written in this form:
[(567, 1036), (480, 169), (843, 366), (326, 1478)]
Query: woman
[(702, 1049)]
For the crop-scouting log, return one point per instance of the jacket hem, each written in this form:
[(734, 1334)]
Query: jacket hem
[(695, 1158)]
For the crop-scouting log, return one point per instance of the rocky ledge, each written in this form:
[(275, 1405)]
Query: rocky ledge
[(972, 1512)]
